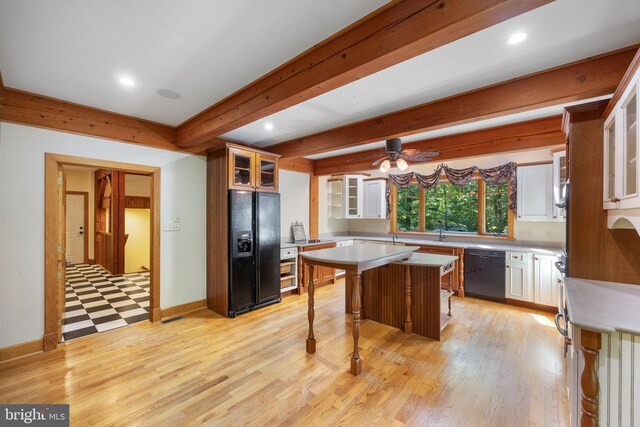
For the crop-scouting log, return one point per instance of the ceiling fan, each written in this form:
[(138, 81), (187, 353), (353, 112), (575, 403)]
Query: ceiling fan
[(394, 154)]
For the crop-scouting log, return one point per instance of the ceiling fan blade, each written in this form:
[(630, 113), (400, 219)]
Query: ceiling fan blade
[(380, 160), (413, 152), (416, 157)]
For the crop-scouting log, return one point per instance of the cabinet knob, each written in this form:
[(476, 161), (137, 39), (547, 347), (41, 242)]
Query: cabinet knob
[(614, 200)]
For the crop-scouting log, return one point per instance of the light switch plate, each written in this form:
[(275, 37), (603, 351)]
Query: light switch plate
[(171, 226)]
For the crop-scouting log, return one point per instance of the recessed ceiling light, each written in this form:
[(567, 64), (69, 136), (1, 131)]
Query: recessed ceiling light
[(517, 38), (268, 126), (166, 93), (126, 81)]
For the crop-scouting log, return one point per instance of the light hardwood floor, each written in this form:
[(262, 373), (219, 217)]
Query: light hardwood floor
[(497, 365)]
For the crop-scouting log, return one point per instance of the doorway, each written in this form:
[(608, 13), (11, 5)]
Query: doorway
[(88, 295)]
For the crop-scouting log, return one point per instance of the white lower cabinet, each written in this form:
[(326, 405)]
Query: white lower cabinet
[(545, 280), (532, 278), (518, 276)]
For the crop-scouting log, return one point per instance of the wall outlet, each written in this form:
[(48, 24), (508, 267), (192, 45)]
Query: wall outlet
[(171, 226), (549, 234)]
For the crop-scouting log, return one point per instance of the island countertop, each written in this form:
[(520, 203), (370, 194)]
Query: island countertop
[(359, 257), (603, 306), (428, 260)]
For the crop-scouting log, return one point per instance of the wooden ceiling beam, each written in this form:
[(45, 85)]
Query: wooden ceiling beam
[(49, 113), (390, 35), (297, 165), (521, 136), (572, 82)]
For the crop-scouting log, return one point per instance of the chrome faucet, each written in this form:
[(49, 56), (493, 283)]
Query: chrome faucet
[(441, 235), (393, 239)]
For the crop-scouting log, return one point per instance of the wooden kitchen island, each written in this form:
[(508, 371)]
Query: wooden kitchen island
[(390, 294)]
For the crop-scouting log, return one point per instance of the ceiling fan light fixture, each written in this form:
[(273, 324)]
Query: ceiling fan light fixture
[(385, 166), (402, 165)]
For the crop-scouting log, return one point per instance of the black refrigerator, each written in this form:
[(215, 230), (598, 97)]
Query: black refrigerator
[(254, 256)]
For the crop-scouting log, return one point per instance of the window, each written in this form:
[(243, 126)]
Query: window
[(456, 207), (496, 217), (408, 208), (476, 208)]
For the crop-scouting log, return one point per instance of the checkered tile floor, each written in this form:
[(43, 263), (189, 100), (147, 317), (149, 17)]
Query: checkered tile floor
[(97, 301)]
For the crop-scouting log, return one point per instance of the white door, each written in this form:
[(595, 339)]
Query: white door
[(75, 228)]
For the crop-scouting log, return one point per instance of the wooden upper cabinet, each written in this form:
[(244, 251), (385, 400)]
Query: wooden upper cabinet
[(266, 172), (251, 170)]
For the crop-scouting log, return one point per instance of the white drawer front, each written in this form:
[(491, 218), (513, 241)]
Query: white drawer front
[(515, 256), (288, 253)]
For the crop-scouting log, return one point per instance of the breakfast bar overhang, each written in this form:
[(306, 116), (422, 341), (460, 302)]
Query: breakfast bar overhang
[(357, 259)]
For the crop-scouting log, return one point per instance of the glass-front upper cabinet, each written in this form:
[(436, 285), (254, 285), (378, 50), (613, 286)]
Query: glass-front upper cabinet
[(621, 189), (559, 182), (267, 168), (630, 146), (352, 193), (610, 193), (241, 169), (252, 170), (352, 197)]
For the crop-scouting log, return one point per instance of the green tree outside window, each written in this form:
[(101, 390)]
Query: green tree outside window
[(408, 208)]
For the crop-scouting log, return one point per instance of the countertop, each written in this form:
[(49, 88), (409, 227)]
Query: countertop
[(363, 257), (603, 306), (538, 248), (428, 260)]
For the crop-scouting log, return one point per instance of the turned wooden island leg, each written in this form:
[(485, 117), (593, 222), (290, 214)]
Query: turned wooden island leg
[(311, 339), (408, 324), (589, 378), (356, 361)]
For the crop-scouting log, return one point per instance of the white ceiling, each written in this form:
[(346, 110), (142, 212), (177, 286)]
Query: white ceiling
[(75, 50), (207, 49), (561, 32)]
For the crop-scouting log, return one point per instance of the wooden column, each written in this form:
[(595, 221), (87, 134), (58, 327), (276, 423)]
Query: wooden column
[(589, 378), (407, 299), (311, 339), (313, 206), (356, 361)]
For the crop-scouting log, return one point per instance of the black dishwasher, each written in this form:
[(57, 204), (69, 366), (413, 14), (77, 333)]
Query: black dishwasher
[(484, 274)]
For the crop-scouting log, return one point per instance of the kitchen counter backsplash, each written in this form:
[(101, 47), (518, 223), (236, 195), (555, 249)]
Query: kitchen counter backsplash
[(450, 241)]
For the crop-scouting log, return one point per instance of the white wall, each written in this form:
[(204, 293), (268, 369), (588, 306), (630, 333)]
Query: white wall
[(294, 201), (549, 231), (22, 148)]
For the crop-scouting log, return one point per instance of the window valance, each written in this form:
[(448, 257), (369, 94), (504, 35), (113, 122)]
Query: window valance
[(493, 176)]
